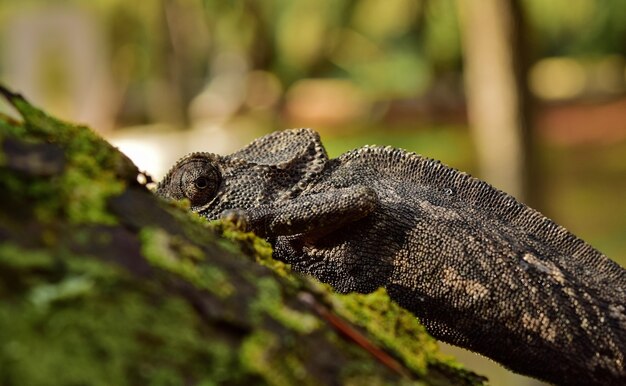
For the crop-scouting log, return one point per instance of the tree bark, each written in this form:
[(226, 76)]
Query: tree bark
[(102, 283)]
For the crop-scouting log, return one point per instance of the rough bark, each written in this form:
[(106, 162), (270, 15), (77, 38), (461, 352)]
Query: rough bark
[(102, 283)]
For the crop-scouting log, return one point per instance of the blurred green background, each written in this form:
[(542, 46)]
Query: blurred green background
[(162, 78)]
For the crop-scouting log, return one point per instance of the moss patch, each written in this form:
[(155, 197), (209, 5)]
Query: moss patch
[(91, 171), (96, 326), (392, 326), (251, 244), (269, 301), (174, 254)]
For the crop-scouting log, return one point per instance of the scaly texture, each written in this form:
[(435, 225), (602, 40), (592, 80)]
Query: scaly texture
[(480, 270)]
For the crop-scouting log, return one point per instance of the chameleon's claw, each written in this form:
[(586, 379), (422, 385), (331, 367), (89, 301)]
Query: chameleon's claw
[(238, 217)]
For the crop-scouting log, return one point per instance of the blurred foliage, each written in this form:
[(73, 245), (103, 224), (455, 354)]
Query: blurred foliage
[(166, 52), (578, 27)]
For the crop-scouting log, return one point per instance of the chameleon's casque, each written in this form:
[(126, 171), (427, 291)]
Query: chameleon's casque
[(480, 270)]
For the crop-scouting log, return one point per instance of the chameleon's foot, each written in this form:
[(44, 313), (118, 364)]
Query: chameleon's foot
[(238, 217)]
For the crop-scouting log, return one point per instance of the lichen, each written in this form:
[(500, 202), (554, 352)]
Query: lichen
[(44, 295)]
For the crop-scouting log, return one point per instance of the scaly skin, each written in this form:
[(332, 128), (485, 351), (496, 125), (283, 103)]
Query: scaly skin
[(480, 270)]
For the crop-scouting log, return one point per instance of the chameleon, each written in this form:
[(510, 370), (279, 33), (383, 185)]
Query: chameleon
[(479, 269)]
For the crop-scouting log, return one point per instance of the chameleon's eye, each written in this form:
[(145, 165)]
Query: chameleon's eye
[(201, 183), (198, 181)]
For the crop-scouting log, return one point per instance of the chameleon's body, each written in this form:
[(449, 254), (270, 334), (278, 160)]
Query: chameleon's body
[(480, 270)]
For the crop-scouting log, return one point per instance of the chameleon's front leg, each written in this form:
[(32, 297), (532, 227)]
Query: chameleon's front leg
[(315, 214)]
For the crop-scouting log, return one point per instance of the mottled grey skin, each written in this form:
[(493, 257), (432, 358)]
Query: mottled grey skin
[(480, 270)]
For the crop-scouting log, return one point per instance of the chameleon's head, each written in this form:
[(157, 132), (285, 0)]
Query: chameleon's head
[(214, 183), (274, 167), (196, 177)]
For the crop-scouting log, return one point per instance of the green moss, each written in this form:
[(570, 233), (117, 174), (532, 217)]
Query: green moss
[(269, 301), (15, 258), (90, 177), (395, 328), (85, 197), (173, 254), (10, 127), (104, 324), (91, 173), (113, 339), (42, 296), (256, 353), (251, 244), (261, 353)]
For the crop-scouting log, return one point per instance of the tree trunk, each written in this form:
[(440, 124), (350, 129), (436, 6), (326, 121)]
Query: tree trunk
[(496, 90), (102, 283)]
